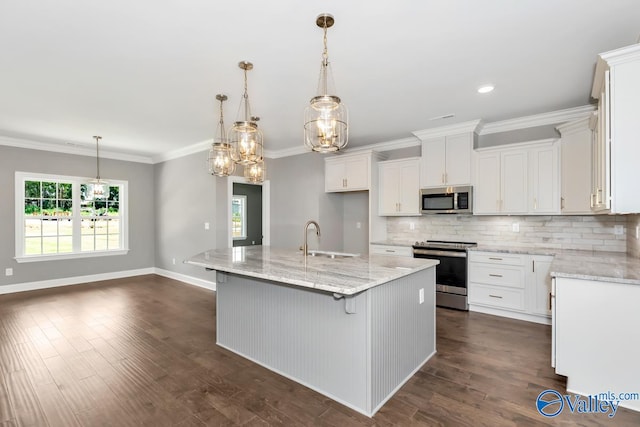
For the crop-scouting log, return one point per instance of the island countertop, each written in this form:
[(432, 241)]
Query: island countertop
[(346, 276)]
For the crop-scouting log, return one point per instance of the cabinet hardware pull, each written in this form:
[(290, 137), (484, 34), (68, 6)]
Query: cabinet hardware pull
[(390, 250), (535, 203), (442, 177), (591, 200), (495, 275), (495, 259), (495, 296), (561, 202), (533, 269), (549, 300)]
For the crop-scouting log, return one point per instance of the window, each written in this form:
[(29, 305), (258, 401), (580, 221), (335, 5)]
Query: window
[(57, 217), (239, 217)]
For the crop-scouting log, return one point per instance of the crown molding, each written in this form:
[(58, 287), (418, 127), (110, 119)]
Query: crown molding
[(551, 118), (471, 126), (198, 147), (286, 152), (71, 149)]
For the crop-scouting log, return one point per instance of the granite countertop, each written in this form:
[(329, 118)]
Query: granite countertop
[(346, 276), (615, 267), (587, 265)]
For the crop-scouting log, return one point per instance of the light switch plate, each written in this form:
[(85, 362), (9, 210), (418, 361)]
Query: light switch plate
[(206, 225), (515, 227), (8, 271)]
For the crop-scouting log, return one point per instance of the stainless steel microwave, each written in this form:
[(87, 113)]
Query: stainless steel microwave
[(446, 200)]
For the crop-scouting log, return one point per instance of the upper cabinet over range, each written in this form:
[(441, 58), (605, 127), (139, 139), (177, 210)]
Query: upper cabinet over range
[(616, 149), (446, 155)]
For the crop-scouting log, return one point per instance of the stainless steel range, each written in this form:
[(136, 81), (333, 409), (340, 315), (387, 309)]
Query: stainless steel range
[(451, 273)]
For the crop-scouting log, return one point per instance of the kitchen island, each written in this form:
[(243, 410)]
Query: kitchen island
[(352, 328)]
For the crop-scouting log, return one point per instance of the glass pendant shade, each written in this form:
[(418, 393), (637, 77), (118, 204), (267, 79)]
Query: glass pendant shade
[(255, 172), (219, 161), (98, 188), (244, 136), (326, 118)]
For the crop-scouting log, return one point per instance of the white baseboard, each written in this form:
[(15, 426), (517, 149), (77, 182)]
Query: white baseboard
[(186, 279), (66, 281), (543, 320), (76, 280)]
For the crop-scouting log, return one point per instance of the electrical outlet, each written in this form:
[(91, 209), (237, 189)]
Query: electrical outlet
[(421, 295), (358, 224), (206, 225), (412, 226), (173, 260), (8, 271), (618, 230), (515, 227)]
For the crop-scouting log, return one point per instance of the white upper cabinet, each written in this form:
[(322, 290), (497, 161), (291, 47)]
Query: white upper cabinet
[(544, 171), (616, 150), (348, 172), (447, 155), (399, 186), (521, 179), (575, 167)]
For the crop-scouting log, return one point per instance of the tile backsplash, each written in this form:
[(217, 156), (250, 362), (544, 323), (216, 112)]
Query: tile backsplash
[(589, 232), (633, 244)]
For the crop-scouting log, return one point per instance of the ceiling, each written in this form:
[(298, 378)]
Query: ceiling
[(144, 74)]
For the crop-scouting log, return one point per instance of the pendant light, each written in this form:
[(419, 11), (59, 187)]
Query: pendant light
[(244, 136), (219, 161), (98, 188), (255, 172), (326, 118)]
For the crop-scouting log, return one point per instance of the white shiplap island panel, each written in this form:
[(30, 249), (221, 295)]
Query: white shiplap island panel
[(353, 329)]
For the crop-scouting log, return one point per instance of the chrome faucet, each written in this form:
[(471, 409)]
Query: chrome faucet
[(305, 246)]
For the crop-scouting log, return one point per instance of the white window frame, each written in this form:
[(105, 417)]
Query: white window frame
[(244, 216), (21, 177)]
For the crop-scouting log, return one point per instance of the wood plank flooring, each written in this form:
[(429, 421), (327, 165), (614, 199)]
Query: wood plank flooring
[(141, 352)]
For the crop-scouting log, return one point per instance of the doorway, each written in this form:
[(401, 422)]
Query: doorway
[(246, 214), (248, 218)]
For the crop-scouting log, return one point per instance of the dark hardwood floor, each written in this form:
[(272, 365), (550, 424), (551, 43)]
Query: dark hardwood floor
[(141, 351)]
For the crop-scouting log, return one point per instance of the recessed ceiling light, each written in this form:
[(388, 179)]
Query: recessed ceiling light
[(485, 89)]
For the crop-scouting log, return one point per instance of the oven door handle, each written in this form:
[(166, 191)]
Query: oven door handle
[(454, 254)]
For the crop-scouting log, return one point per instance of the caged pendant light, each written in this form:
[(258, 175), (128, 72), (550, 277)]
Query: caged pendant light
[(244, 136), (255, 172), (219, 161), (98, 188), (326, 118)]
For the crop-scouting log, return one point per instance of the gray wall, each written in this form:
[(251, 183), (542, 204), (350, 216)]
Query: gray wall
[(141, 214), (185, 198), (297, 195), (356, 210)]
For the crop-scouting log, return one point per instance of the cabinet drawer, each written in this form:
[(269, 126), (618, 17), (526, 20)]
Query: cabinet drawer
[(391, 250), (494, 296), (508, 276), (496, 258)]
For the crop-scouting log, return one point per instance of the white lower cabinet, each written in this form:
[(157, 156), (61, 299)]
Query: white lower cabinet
[(510, 285)]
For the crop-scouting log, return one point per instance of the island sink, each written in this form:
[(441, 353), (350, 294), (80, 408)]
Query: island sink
[(332, 254)]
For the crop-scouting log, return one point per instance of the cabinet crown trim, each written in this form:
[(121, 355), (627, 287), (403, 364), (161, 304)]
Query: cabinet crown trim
[(362, 153), (519, 145), (574, 126), (471, 126), (612, 58)]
